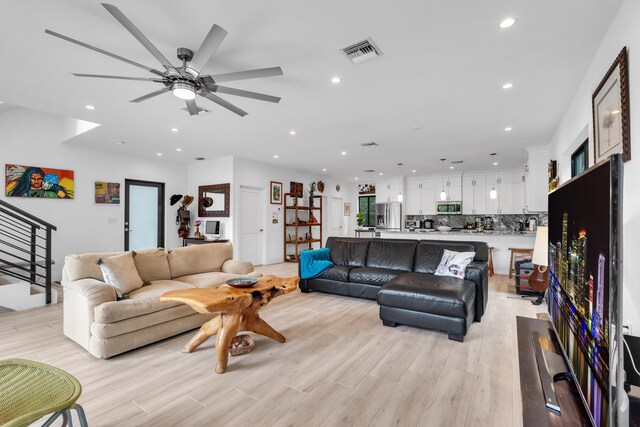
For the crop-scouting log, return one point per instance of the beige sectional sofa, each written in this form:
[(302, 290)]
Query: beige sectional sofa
[(106, 326)]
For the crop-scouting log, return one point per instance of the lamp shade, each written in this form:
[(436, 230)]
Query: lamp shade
[(541, 248)]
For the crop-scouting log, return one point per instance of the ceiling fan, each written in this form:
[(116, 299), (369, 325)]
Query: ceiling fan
[(184, 81)]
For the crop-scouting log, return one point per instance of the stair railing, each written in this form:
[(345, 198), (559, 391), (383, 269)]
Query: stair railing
[(25, 247)]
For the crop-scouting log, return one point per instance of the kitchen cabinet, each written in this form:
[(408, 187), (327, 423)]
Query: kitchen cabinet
[(537, 183), (452, 186), (474, 194), (420, 197), (510, 187), (387, 191)]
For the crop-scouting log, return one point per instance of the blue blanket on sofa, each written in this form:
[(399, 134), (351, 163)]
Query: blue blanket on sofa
[(314, 263)]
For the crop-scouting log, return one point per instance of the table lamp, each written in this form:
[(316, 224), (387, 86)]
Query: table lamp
[(539, 279)]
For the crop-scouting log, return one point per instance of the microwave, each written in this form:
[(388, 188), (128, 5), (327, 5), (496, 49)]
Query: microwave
[(449, 208)]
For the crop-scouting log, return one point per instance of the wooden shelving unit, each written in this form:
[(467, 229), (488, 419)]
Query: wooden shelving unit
[(297, 226)]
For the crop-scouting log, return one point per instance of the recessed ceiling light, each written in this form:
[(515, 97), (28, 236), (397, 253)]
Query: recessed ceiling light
[(174, 129), (275, 156), (507, 22), (89, 107), (507, 129), (178, 149), (158, 154), (344, 153), (413, 171), (495, 163), (324, 169), (292, 132), (199, 158), (381, 174), (450, 167), (507, 85), (417, 127), (121, 142), (356, 178), (335, 79)]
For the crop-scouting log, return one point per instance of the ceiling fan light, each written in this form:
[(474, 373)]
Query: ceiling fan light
[(184, 90)]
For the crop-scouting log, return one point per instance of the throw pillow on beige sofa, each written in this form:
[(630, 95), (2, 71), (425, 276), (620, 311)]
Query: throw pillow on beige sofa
[(120, 272)]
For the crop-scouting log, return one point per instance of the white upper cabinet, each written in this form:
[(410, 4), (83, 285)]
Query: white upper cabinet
[(387, 191), (537, 184), (420, 197)]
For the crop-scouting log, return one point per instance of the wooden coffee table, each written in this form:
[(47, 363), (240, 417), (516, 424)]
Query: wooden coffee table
[(238, 308)]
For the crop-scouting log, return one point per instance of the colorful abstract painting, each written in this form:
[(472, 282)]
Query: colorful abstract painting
[(108, 193), (38, 182)]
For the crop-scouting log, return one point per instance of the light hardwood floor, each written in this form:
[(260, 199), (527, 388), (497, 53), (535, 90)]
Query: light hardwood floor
[(339, 367)]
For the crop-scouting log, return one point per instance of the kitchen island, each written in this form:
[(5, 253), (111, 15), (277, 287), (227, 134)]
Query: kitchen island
[(501, 241)]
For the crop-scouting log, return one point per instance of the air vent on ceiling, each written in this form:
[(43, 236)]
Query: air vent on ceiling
[(362, 50), (457, 162), (369, 144), (369, 170)]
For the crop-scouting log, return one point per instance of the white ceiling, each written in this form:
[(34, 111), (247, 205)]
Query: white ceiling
[(442, 70)]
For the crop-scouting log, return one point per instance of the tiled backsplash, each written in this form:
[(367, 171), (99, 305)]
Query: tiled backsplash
[(500, 222)]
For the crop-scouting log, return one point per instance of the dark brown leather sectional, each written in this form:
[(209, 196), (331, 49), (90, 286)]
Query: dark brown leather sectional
[(398, 273)]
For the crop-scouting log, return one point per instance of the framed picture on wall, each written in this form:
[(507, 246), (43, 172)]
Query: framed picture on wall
[(610, 104), (276, 193), (347, 209), (38, 182), (296, 188), (107, 193)]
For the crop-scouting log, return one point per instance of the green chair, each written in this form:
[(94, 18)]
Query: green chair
[(30, 390)]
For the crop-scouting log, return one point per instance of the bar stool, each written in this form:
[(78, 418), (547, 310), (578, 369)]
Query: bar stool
[(491, 261), (513, 254)]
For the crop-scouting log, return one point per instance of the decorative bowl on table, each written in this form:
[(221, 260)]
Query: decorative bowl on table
[(444, 228), (242, 282)]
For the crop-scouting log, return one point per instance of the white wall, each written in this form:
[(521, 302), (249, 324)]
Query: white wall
[(34, 138), (576, 126), (211, 172), (259, 175)]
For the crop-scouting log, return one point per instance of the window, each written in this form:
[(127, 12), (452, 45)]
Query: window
[(580, 159), (367, 205)]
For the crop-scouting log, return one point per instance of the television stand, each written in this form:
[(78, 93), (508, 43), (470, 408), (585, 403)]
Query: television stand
[(551, 368), (534, 406)]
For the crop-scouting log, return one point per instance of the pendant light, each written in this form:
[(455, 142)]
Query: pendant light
[(400, 173), (493, 194), (443, 194)]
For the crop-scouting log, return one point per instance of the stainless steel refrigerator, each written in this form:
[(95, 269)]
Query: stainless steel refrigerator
[(389, 216)]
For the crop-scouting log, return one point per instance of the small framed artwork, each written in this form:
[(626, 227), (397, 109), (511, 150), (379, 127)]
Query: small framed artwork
[(347, 209), (296, 188), (610, 104), (107, 193), (276, 193)]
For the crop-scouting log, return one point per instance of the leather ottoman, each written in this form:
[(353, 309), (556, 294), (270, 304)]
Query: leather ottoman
[(427, 301)]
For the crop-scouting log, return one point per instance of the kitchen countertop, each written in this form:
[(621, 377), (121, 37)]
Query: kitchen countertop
[(463, 233)]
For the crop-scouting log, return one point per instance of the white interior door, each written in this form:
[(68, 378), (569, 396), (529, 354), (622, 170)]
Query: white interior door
[(250, 225), (336, 217)]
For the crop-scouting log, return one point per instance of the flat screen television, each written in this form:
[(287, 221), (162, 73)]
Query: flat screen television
[(585, 286)]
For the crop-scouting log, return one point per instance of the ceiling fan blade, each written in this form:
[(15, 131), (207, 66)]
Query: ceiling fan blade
[(249, 74), (120, 17), (104, 52), (102, 76), (209, 45), (247, 94), (192, 107), (223, 103), (151, 95)]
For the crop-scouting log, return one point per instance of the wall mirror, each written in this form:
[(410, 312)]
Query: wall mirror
[(213, 200)]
